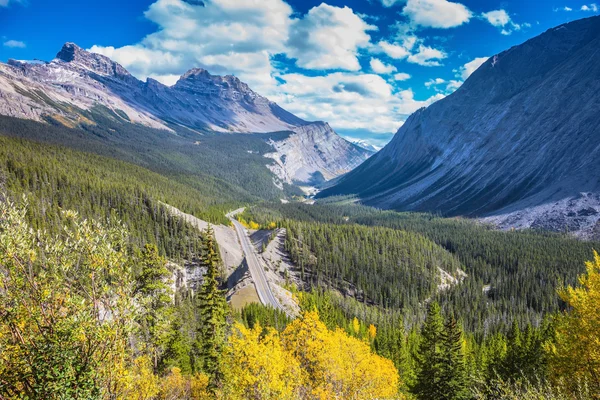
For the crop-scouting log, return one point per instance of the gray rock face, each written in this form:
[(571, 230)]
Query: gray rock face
[(314, 153), (77, 80), (519, 140)]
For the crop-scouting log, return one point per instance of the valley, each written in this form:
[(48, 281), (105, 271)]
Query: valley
[(198, 241)]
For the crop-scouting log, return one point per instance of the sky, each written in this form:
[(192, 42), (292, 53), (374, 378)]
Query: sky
[(362, 65)]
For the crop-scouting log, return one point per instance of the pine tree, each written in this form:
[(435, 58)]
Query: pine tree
[(454, 379), (212, 309), (512, 368), (429, 358), (152, 287)]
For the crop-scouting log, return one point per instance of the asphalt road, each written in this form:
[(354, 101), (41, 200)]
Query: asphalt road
[(254, 265)]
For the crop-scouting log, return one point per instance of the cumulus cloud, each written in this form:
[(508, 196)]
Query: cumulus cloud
[(379, 67), (394, 51), (14, 44), (436, 13), (565, 8), (341, 98), (466, 70), (390, 3), (402, 76), (247, 37), (592, 7), (328, 38), (501, 19), (223, 36), (240, 37), (434, 82), (427, 56), (422, 55)]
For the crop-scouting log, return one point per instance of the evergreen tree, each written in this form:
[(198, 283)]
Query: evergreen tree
[(429, 358), (152, 287), (512, 368), (454, 378), (212, 310)]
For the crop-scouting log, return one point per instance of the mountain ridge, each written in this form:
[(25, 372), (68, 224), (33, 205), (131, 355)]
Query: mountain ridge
[(77, 80), (521, 133)]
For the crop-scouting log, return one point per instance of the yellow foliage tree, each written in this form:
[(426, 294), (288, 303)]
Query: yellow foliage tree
[(372, 332), (256, 366), (575, 351), (199, 387), (336, 365), (253, 225), (137, 382), (356, 326)]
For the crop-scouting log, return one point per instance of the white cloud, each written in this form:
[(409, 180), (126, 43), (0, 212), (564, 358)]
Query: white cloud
[(442, 86), (434, 82), (466, 70), (394, 51), (497, 18), (241, 37), (381, 68), (341, 97), (427, 56), (223, 36), (565, 8), (423, 55), (15, 44), (390, 3), (501, 19), (328, 38), (436, 13), (402, 76), (592, 7)]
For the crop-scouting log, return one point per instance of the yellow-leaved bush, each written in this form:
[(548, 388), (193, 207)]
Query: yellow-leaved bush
[(575, 350), (306, 361), (257, 366)]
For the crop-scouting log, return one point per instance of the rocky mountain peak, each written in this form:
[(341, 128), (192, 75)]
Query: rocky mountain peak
[(196, 74), (69, 52), (199, 80), (75, 55)]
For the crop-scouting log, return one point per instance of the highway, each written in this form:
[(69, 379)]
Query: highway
[(254, 265)]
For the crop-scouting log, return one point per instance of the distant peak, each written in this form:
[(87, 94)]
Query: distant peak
[(196, 73), (69, 52)]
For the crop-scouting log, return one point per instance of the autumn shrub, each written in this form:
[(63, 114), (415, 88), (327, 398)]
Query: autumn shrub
[(65, 308)]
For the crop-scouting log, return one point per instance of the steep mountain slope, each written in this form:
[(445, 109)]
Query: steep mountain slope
[(77, 81), (314, 153), (519, 139)]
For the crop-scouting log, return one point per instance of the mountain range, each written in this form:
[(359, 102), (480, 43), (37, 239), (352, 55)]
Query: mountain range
[(516, 144), (77, 81)]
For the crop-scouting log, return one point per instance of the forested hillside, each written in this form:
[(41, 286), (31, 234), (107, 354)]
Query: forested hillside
[(225, 168), (388, 267), (53, 179), (510, 275)]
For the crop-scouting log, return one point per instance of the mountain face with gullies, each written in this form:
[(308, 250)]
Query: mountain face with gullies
[(78, 80), (518, 144)]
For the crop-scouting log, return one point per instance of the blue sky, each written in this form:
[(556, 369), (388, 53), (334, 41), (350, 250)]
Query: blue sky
[(361, 65)]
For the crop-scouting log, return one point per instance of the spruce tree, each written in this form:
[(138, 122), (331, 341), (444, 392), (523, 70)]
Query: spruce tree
[(212, 310), (152, 288), (454, 379), (429, 358), (514, 354)]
